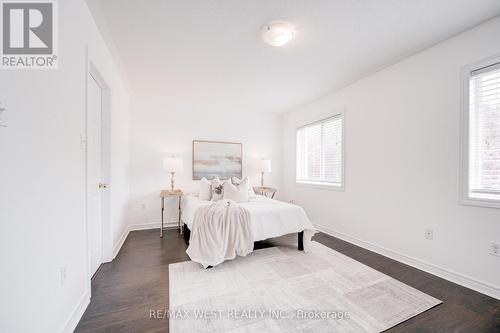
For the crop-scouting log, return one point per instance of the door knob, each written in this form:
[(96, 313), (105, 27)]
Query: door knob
[(103, 186)]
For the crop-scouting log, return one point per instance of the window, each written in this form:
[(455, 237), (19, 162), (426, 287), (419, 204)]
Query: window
[(481, 126), (320, 153)]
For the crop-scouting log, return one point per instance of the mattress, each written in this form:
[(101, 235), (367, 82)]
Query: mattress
[(269, 218)]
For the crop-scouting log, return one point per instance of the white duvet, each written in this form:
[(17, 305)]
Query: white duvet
[(269, 218)]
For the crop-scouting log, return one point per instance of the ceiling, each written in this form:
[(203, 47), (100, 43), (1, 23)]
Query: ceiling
[(210, 51)]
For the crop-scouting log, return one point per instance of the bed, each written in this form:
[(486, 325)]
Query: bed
[(269, 218)]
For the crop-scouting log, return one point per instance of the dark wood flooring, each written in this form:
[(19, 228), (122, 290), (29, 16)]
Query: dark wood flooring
[(124, 291)]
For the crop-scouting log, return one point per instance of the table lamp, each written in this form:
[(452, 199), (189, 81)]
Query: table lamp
[(263, 166), (172, 165)]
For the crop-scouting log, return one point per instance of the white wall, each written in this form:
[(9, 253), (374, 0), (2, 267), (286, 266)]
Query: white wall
[(402, 164), (42, 185), (162, 126), (405, 116)]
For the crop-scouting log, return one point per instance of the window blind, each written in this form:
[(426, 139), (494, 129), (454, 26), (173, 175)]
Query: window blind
[(484, 131), (319, 152)]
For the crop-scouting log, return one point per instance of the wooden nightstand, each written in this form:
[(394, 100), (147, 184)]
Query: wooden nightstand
[(170, 194), (265, 191)]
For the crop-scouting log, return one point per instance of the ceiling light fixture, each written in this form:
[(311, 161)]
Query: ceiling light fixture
[(277, 33)]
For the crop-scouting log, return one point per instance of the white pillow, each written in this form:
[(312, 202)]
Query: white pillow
[(231, 192), (244, 182), (205, 189)]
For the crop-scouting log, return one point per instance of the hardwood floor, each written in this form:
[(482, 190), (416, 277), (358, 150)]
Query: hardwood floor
[(124, 291)]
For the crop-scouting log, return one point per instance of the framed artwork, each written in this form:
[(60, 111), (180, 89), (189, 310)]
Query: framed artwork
[(222, 159)]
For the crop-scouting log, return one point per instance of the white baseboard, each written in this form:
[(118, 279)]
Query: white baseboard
[(458, 278), (120, 242), (153, 225), (77, 313), (135, 227)]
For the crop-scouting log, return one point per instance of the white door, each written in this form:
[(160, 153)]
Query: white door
[(94, 173)]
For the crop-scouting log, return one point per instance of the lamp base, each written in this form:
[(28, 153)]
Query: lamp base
[(172, 181)]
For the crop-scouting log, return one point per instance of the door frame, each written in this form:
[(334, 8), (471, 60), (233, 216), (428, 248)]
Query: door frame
[(106, 235)]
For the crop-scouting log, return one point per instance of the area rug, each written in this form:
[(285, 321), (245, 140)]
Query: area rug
[(280, 289)]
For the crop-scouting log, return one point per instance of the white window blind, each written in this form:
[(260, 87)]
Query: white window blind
[(484, 132), (320, 152)]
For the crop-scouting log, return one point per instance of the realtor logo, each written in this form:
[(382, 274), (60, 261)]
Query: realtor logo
[(28, 34)]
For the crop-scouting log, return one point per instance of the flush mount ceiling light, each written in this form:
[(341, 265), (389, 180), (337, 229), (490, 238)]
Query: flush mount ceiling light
[(277, 33)]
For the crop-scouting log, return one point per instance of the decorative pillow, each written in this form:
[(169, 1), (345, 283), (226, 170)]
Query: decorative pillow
[(245, 182), (205, 189), (231, 192), (218, 188)]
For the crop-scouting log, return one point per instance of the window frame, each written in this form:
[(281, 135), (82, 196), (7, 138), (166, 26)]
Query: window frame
[(465, 198), (324, 186)]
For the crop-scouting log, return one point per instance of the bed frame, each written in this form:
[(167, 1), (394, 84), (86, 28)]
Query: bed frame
[(300, 237)]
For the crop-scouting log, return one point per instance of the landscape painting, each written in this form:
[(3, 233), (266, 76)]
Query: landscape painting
[(221, 159)]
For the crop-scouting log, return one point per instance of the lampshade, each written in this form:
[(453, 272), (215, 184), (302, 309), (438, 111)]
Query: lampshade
[(263, 165), (172, 164)]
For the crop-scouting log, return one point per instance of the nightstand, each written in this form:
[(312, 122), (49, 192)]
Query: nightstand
[(265, 191), (170, 194)]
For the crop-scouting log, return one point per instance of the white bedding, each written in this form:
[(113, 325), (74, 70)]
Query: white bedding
[(269, 218)]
